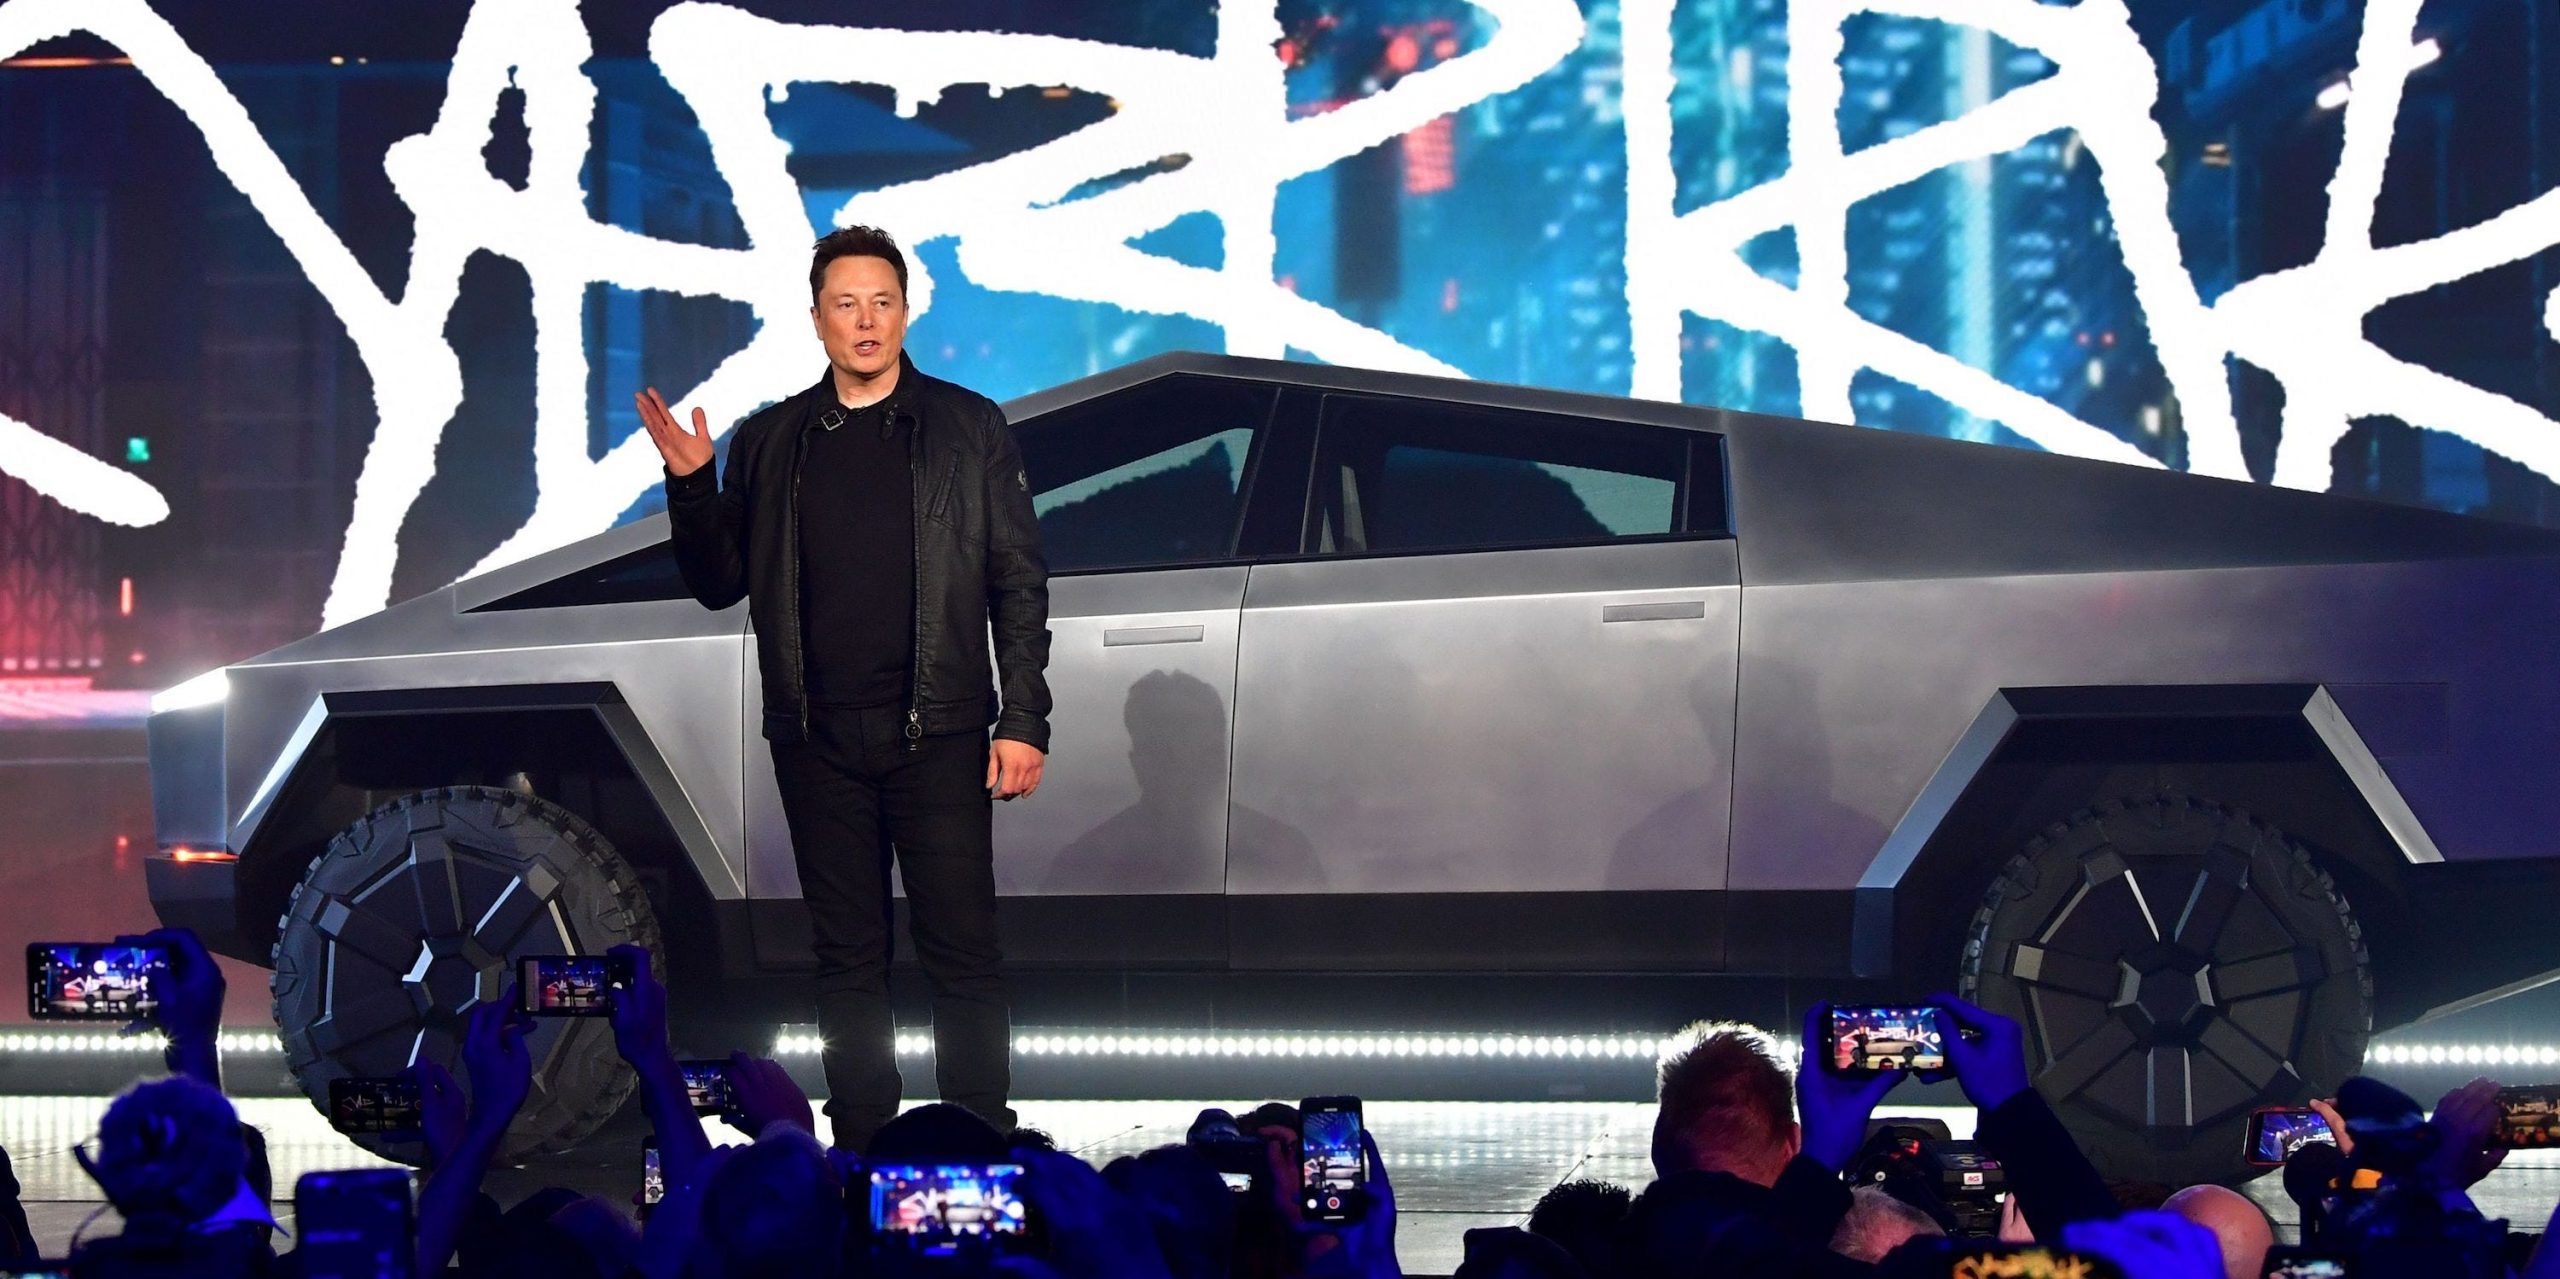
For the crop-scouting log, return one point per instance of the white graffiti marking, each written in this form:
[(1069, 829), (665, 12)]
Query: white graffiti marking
[(2304, 325), (1229, 113)]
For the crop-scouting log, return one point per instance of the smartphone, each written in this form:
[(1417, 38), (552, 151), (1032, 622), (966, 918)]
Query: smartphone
[(706, 1085), (1333, 1164), (653, 1177), (571, 985), (94, 981), (2528, 1117), (380, 1106), (38, 1270), (941, 1209), (2275, 1132), (1871, 1037), (2013, 1261), (2287, 1261), (354, 1224)]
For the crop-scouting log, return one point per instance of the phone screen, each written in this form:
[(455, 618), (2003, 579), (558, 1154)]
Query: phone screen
[(570, 985), (653, 1178), (380, 1106), (2528, 1117), (706, 1086), (2277, 1132), (1886, 1037), (354, 1224), (2292, 1263), (942, 1208), (94, 981), (1329, 1145)]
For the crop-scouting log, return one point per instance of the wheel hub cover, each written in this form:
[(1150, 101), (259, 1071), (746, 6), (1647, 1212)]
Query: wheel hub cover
[(2169, 960)]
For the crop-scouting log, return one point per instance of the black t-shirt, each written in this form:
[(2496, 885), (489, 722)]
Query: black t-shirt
[(857, 561)]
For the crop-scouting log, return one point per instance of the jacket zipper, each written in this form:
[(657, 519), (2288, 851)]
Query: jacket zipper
[(915, 546), (799, 669)]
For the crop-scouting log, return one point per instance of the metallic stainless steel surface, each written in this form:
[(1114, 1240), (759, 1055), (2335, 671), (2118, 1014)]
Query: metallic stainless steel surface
[(1754, 713), (676, 664), (1470, 722), (1853, 692)]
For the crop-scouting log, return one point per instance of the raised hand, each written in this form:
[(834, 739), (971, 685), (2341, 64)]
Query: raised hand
[(685, 451), (1992, 1068), (441, 1109), (2467, 1117), (640, 1012), (766, 1092), (496, 1059), (1833, 1108)]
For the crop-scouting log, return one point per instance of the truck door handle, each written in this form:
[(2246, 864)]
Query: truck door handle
[(1119, 635), (1665, 612)]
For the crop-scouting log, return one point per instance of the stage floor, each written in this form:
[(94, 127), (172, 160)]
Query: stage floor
[(1455, 1165)]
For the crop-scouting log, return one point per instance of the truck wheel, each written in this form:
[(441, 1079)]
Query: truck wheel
[(415, 915), (2175, 963)]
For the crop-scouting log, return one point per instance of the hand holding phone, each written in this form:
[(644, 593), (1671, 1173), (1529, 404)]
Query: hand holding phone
[(388, 1106), (707, 1087), (2528, 1118), (2275, 1132), (653, 1176), (945, 1209), (571, 985), (94, 981), (1862, 1038), (1335, 1167)]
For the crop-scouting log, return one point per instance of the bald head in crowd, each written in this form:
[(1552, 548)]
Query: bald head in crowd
[(2237, 1224), (1877, 1223), (1727, 1105)]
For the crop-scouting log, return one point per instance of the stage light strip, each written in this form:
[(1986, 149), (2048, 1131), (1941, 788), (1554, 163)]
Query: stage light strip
[(1267, 1044), (795, 1041)]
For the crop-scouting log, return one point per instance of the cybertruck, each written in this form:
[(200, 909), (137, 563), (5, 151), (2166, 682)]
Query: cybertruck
[(1359, 673)]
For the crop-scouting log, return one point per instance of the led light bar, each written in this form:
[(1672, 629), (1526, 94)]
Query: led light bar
[(794, 1042), (108, 1041), (801, 1041), (2463, 1055)]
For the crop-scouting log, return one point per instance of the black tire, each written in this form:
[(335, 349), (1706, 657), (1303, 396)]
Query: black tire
[(417, 913), (2176, 963)]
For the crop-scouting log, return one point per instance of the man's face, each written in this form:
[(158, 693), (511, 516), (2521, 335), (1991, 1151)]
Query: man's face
[(861, 315)]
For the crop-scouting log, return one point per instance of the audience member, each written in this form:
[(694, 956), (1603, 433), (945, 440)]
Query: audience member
[(1749, 1162), (2239, 1225), (1585, 1217), (1877, 1223)]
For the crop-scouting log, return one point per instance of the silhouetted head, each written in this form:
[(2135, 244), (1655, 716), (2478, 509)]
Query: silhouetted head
[(940, 1133), (773, 1209), (1727, 1105), (169, 1153), (1878, 1223), (2239, 1225), (1188, 1204), (1583, 1217)]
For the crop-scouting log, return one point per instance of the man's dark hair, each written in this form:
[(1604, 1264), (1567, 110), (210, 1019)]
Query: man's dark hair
[(1584, 1218), (855, 242)]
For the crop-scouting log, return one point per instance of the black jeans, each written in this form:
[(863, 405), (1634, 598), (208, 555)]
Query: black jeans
[(852, 793)]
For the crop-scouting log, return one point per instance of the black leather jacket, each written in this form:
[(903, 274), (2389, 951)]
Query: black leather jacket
[(977, 552)]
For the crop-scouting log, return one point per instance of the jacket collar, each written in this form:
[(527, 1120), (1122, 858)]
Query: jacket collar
[(900, 403)]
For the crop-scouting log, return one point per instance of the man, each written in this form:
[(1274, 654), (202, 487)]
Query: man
[(878, 523), (1736, 1189)]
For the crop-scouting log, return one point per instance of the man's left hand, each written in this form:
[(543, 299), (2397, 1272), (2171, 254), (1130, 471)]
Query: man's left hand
[(1013, 768)]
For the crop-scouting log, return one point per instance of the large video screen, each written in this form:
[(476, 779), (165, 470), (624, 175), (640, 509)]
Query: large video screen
[(314, 306)]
